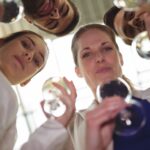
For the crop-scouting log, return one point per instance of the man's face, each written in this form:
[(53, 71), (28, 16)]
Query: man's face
[(53, 16), (129, 23)]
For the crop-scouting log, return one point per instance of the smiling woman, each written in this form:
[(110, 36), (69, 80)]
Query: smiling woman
[(57, 17)]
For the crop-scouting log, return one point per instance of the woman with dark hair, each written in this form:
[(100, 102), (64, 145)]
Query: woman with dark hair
[(23, 54)]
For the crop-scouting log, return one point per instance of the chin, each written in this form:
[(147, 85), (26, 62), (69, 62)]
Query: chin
[(106, 80)]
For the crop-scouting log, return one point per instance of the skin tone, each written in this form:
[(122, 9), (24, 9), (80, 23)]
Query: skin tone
[(129, 23), (53, 16), (95, 52), (22, 57)]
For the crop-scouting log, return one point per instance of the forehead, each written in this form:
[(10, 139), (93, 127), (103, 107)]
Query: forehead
[(92, 36)]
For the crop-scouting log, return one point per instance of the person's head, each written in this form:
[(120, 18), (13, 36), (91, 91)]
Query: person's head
[(96, 55), (126, 24), (9, 11), (57, 17), (22, 55)]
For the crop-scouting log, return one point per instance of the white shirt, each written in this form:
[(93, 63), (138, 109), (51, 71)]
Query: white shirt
[(8, 111), (50, 136)]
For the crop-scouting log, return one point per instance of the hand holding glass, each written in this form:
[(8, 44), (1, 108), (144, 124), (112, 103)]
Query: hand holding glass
[(131, 119), (53, 104)]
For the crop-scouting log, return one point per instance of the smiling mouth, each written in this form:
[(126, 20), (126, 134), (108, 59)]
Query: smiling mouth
[(45, 9)]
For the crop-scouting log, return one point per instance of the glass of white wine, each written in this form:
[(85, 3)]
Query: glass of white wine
[(141, 43), (131, 119), (53, 104)]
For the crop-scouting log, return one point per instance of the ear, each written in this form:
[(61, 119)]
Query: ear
[(25, 82), (78, 73)]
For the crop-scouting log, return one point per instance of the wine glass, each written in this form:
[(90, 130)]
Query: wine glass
[(129, 4), (131, 119), (141, 43), (53, 105)]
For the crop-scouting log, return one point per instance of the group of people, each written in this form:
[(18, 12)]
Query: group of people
[(97, 59)]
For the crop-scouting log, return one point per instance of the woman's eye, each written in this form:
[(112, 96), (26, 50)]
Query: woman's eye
[(36, 62), (86, 55), (108, 48), (25, 44)]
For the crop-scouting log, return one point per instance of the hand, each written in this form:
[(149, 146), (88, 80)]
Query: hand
[(101, 123), (68, 99)]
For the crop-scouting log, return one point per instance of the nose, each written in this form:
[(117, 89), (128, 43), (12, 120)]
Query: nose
[(28, 56), (54, 14), (99, 58)]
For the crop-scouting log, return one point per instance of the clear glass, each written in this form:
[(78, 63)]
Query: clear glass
[(14, 14), (53, 104), (131, 119), (141, 43), (129, 4)]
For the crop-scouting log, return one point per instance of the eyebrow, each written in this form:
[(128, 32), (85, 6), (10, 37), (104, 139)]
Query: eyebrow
[(32, 41), (104, 43), (88, 48)]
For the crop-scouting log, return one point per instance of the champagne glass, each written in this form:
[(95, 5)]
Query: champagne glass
[(53, 104), (129, 4), (141, 44), (131, 119)]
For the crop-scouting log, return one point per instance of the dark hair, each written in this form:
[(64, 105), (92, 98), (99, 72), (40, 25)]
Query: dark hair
[(31, 6), (85, 28), (29, 10), (11, 11), (109, 17)]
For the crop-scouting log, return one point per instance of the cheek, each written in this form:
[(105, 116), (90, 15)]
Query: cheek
[(87, 65)]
